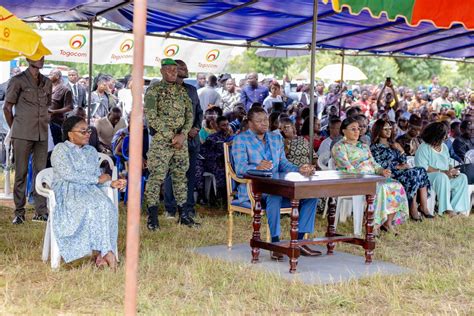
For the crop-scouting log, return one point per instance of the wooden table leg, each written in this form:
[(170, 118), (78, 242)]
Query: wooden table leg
[(369, 244), (331, 232), (257, 221), (294, 251)]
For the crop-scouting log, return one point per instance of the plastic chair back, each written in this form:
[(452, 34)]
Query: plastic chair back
[(469, 156)]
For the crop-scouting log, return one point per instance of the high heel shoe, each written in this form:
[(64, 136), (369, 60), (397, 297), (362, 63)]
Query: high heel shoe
[(425, 215), (383, 228), (416, 219)]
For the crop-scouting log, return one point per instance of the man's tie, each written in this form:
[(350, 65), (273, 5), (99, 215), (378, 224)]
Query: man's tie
[(74, 91)]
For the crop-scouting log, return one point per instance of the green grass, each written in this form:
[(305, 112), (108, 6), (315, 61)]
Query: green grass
[(173, 280)]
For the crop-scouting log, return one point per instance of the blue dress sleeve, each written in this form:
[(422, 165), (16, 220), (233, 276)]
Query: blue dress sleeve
[(422, 158), (63, 166)]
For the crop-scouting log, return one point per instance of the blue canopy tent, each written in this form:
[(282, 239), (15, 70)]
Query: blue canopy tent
[(268, 22)]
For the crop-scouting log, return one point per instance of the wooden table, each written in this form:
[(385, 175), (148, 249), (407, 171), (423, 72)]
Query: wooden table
[(295, 187)]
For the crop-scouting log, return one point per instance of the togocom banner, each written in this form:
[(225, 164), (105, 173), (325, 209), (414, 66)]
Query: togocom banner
[(117, 48)]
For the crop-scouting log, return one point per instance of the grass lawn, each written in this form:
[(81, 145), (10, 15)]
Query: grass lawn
[(172, 280)]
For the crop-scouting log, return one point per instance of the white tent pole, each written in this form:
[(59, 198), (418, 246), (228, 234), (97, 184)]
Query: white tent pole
[(311, 90), (342, 81)]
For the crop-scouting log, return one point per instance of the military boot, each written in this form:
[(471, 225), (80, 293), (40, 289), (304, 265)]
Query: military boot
[(185, 219), (152, 221)]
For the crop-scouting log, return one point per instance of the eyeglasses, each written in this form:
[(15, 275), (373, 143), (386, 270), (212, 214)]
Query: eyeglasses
[(354, 129), (84, 131)]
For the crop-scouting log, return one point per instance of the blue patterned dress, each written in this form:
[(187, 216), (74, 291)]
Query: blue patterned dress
[(85, 219), (412, 179)]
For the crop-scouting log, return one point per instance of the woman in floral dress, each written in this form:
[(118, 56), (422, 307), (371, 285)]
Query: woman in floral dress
[(390, 155), (85, 219), (296, 147), (352, 156)]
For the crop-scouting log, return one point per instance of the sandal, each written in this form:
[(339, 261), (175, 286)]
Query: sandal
[(390, 230), (100, 262), (111, 260)]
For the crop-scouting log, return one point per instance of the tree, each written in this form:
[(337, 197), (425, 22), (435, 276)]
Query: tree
[(250, 62)]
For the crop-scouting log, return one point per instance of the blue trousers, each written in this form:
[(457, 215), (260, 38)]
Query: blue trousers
[(170, 202), (307, 212)]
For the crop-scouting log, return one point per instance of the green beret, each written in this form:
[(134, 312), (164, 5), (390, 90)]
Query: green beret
[(168, 62)]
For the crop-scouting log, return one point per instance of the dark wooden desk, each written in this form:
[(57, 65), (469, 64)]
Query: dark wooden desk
[(295, 187)]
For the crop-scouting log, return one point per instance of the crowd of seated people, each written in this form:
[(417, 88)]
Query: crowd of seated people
[(368, 129)]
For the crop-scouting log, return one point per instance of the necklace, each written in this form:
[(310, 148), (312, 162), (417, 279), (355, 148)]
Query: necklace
[(437, 148)]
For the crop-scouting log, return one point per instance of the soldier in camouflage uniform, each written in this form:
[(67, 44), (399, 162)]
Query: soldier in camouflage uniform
[(169, 113)]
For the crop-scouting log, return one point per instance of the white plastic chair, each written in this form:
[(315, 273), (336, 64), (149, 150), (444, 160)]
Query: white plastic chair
[(43, 185), (347, 204), (411, 161), (44, 180), (113, 194), (469, 156), (323, 160)]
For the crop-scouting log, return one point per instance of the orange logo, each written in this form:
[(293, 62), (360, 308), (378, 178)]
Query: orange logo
[(212, 55), (171, 50), (77, 41), (126, 45)]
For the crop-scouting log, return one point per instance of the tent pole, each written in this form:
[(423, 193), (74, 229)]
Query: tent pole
[(342, 80), (311, 88), (135, 172), (89, 97)]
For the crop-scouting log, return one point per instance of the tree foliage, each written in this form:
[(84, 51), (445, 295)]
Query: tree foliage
[(410, 72)]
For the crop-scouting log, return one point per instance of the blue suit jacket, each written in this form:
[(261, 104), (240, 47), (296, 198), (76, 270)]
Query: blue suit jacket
[(248, 151)]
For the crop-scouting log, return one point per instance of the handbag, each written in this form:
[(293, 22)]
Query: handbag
[(468, 170)]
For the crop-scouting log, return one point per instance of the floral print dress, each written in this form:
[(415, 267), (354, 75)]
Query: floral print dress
[(390, 197), (412, 179), (85, 219), (297, 150)]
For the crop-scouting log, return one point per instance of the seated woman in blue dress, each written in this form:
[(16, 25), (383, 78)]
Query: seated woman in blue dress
[(85, 219), (390, 155), (448, 183)]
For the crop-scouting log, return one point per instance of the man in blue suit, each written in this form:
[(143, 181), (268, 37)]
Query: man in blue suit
[(258, 148)]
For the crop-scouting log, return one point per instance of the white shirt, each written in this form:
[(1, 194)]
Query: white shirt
[(125, 101), (268, 102)]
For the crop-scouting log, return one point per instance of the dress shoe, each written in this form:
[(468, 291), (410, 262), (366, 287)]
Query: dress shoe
[(308, 252), (19, 219), (276, 256), (169, 215)]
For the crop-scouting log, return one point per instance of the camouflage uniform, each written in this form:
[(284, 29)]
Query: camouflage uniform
[(169, 111)]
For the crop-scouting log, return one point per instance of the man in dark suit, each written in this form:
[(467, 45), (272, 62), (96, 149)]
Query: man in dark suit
[(79, 94), (193, 147)]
